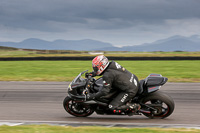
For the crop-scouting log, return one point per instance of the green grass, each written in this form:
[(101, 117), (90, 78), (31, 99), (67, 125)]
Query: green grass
[(67, 129), (15, 53), (176, 71), (67, 53)]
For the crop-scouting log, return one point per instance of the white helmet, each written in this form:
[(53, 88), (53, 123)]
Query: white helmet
[(99, 64)]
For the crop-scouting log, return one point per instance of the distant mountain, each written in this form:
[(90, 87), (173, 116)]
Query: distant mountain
[(174, 43), (34, 43)]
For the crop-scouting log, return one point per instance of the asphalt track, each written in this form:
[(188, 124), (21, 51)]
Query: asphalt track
[(41, 102)]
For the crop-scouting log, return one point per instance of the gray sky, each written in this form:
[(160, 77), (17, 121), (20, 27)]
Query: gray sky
[(120, 22)]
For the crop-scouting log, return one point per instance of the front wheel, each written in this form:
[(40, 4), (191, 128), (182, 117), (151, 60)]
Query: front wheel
[(158, 105), (76, 108)]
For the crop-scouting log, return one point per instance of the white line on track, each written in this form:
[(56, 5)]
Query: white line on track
[(106, 124)]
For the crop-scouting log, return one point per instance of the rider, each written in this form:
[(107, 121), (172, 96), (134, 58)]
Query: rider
[(117, 77)]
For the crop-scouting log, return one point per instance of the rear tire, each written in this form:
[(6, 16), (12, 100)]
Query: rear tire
[(160, 101), (76, 108)]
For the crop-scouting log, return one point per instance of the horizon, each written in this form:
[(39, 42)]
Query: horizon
[(172, 43), (198, 36)]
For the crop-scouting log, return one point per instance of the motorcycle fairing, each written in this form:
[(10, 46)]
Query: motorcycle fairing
[(98, 85), (77, 86), (153, 88), (154, 81)]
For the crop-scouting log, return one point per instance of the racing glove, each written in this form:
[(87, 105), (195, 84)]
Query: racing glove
[(90, 96), (93, 74)]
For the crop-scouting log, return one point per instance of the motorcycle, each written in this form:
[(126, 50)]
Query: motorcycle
[(153, 103)]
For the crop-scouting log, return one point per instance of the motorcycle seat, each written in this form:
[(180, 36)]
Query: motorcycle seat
[(140, 90)]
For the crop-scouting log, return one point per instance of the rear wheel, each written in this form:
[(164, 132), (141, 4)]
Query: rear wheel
[(158, 105), (76, 108)]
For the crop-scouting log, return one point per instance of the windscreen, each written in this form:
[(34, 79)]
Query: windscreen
[(77, 79)]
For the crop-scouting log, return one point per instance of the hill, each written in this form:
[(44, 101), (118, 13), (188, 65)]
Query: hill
[(174, 43), (34, 43), (7, 48)]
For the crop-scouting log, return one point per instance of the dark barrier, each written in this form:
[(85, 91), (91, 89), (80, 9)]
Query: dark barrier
[(90, 58)]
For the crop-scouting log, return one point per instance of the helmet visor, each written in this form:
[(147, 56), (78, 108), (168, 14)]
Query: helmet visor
[(95, 69)]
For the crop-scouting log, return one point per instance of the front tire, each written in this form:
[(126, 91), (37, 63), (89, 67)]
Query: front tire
[(76, 108), (161, 102)]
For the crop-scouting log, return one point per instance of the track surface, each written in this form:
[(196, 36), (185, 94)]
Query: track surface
[(42, 101)]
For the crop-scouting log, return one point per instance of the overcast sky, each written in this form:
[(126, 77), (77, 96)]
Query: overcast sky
[(120, 22)]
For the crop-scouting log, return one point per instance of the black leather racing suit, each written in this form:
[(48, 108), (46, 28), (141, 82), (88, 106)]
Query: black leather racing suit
[(117, 77)]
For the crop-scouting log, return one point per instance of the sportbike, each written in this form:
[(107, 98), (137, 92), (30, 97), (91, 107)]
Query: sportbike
[(153, 103)]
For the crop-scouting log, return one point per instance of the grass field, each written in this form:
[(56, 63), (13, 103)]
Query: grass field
[(67, 53), (66, 129), (176, 71)]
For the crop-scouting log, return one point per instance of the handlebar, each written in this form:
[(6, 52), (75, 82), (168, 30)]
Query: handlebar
[(88, 83), (89, 77)]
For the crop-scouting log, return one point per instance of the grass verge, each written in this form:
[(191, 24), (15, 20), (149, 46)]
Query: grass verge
[(176, 71), (66, 53), (67, 129)]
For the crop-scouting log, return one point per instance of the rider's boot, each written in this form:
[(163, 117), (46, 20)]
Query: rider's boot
[(133, 108), (117, 111), (130, 107)]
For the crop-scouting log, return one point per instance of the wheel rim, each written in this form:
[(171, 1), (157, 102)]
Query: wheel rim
[(161, 108), (77, 109)]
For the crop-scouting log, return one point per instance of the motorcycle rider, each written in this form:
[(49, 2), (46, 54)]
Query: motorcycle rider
[(115, 77)]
